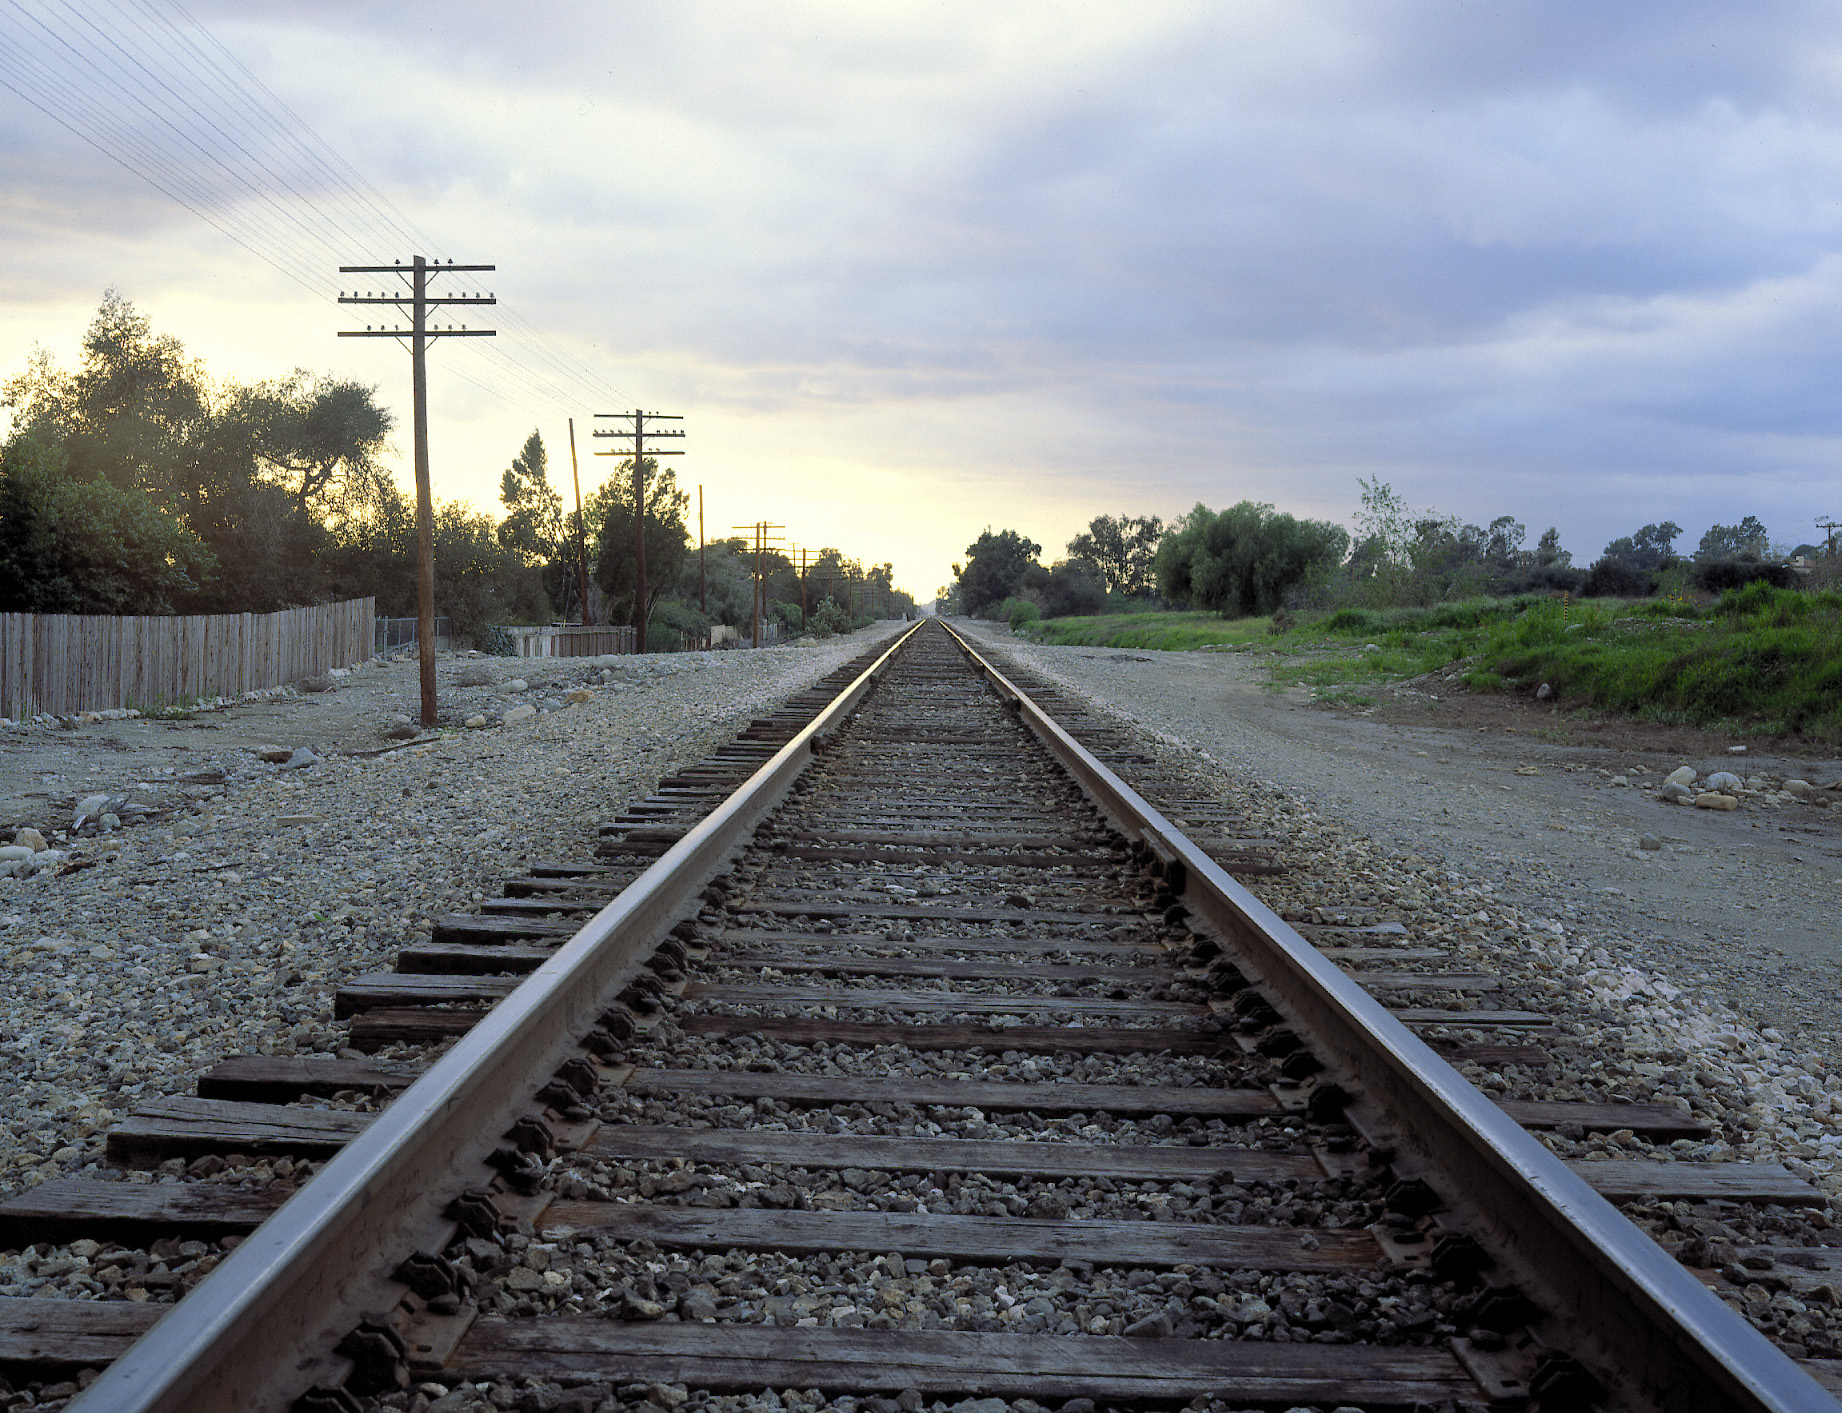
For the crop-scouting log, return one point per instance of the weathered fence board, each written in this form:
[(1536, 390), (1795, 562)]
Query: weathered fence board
[(65, 663), (574, 640)]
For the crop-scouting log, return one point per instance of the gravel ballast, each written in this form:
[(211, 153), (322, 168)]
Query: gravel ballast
[(133, 960)]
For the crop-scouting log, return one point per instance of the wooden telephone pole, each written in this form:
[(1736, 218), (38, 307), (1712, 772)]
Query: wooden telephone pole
[(417, 301), (581, 526), (639, 434), (762, 543)]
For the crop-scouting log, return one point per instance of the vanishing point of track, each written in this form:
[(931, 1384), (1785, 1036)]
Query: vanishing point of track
[(905, 986)]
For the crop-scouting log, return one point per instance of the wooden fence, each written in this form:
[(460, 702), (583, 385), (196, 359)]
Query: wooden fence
[(65, 663), (556, 640)]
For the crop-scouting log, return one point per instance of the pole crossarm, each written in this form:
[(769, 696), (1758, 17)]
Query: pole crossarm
[(430, 334), (639, 434), (400, 299), (402, 269), (416, 301)]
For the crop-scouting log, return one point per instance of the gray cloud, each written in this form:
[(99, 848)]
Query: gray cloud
[(1572, 261)]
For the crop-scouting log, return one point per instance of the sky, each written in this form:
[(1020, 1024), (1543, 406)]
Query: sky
[(911, 270)]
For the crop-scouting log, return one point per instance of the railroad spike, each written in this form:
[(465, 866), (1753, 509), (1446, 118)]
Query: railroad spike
[(327, 1400), (618, 1023), (1300, 1065), (380, 1359), (580, 1076), (601, 1042), (430, 1277), (1457, 1257), (533, 1135), (1413, 1197), (1326, 1103), (524, 1173), (475, 1213), (1561, 1384), (1501, 1308)]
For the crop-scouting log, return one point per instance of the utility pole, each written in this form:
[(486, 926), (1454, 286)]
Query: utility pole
[(581, 527), (761, 528), (703, 602), (421, 334), (804, 612), (1830, 527), (639, 435)]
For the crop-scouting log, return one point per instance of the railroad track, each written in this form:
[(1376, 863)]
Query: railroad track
[(934, 1062)]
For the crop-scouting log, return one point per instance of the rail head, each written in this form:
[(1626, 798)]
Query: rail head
[(1674, 1344), (260, 1329)]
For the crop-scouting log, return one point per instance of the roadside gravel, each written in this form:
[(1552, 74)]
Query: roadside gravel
[(1641, 1018), (139, 957)]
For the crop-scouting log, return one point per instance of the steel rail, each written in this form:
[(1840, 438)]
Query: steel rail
[(260, 1329), (1663, 1339)]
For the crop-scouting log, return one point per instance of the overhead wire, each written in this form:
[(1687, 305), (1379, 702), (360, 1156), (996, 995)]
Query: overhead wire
[(274, 153), (168, 183)]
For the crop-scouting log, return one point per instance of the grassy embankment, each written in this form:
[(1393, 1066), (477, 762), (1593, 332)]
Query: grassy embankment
[(1759, 661)]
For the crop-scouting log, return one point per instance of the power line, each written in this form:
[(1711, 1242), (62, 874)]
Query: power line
[(205, 132)]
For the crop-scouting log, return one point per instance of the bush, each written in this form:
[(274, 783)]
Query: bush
[(1348, 620), (1073, 590), (1724, 574), (1243, 560), (1017, 612), (1614, 579), (830, 617), (1541, 578)]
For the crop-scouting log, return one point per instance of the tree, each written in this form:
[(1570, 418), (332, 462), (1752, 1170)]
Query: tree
[(1121, 548), (994, 568), (254, 470), (1548, 551), (1650, 548), (1747, 540), (129, 412), (1503, 543), (667, 542), (1617, 579), (317, 437), (1071, 588), (86, 546), (1246, 558), (533, 525)]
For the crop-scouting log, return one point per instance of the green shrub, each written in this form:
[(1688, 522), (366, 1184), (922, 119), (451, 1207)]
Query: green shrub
[(1017, 612)]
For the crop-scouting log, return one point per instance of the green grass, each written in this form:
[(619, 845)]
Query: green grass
[(1171, 632), (1760, 661)]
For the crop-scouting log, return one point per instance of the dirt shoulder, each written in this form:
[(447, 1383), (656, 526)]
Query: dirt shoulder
[(1739, 903)]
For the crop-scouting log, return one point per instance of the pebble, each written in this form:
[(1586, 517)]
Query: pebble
[(476, 721), (522, 712), (1724, 781), (286, 915), (1676, 791), (1716, 802), (1682, 775), (1626, 1030), (1649, 841)]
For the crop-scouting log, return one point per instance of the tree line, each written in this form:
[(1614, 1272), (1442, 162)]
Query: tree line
[(136, 483), (1252, 558)]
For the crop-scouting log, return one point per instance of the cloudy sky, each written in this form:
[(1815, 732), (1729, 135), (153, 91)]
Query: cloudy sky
[(912, 269)]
